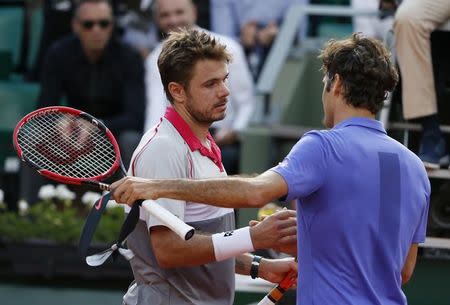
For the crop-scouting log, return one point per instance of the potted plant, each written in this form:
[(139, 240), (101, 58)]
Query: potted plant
[(42, 239)]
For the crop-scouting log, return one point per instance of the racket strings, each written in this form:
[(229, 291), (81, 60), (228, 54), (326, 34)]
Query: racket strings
[(67, 145)]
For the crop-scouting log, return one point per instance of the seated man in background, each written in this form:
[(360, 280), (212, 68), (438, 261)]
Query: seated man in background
[(56, 24), (171, 15), (414, 22), (95, 74)]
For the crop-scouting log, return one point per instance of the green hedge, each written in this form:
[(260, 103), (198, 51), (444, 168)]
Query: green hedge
[(58, 221)]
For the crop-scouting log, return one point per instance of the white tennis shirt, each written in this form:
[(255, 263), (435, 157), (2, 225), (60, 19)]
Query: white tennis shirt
[(171, 150)]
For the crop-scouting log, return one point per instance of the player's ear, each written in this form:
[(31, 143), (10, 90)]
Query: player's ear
[(336, 84), (177, 91)]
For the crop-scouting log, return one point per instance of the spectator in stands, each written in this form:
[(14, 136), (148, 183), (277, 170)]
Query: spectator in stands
[(374, 26), (171, 15), (139, 30), (253, 23), (56, 25), (414, 22), (96, 74)]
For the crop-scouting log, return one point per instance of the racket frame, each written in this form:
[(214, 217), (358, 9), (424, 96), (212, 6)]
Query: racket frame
[(95, 180)]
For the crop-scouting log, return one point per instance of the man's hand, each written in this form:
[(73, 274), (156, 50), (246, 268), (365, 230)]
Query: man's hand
[(289, 248), (130, 189), (275, 231), (266, 36), (248, 34), (275, 270)]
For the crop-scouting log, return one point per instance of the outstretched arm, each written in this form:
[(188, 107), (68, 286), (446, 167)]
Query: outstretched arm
[(276, 230), (232, 192)]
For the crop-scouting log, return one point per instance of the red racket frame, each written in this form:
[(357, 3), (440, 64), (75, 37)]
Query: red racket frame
[(57, 177)]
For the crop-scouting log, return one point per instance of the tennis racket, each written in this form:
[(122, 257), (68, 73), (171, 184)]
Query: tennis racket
[(72, 147), (278, 291)]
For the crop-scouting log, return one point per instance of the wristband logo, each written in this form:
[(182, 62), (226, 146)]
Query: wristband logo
[(228, 234)]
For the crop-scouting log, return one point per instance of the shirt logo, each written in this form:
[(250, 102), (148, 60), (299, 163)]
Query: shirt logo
[(99, 203), (228, 234)]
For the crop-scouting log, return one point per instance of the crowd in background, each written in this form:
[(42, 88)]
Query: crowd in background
[(107, 64)]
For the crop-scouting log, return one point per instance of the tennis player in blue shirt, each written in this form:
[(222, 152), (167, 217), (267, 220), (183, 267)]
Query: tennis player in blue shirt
[(362, 197)]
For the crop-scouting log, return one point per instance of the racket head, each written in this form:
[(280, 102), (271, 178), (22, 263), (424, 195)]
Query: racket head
[(67, 145)]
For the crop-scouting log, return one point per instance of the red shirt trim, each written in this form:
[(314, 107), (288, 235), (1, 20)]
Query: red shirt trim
[(133, 164), (191, 139)]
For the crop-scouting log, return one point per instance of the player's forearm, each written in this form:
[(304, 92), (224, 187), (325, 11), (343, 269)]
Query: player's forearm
[(172, 252), (243, 264), (232, 192)]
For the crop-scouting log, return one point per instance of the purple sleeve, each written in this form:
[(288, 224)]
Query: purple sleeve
[(305, 167), (421, 230)]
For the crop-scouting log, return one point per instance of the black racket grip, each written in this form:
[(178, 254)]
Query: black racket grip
[(100, 185)]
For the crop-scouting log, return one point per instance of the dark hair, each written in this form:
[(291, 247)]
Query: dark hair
[(365, 68), (182, 50), (79, 3)]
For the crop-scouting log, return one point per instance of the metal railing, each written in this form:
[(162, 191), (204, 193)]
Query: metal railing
[(284, 41)]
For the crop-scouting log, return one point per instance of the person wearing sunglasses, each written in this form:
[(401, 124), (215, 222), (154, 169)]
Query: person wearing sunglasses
[(94, 72), (89, 24)]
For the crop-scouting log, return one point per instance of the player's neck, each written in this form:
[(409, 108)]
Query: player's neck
[(199, 129), (346, 112)]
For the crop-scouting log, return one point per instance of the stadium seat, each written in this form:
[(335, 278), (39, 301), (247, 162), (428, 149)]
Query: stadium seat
[(11, 29), (36, 25), (6, 64), (16, 100)]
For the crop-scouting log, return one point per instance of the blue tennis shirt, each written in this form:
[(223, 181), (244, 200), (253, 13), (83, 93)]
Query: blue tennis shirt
[(362, 200)]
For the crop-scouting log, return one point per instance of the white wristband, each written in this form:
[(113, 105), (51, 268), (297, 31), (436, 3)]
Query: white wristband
[(232, 243)]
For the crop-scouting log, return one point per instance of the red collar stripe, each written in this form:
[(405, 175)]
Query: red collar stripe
[(192, 141)]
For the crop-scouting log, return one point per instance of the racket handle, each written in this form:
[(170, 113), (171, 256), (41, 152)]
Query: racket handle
[(278, 291), (171, 221)]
